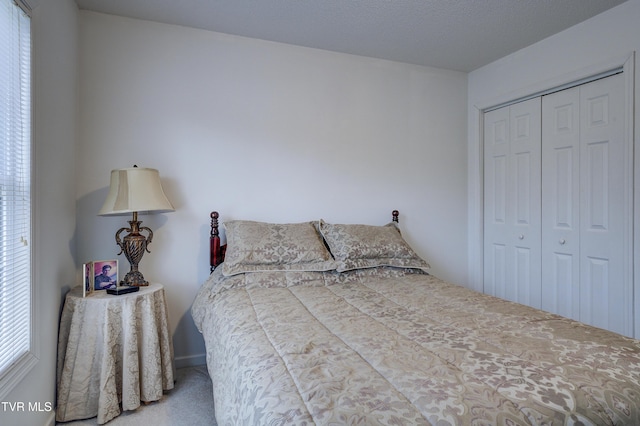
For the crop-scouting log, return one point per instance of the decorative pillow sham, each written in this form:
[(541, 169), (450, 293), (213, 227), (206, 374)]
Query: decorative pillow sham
[(259, 246), (366, 246)]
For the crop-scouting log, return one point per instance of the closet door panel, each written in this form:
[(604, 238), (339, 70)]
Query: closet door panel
[(496, 153), (525, 119), (512, 202), (561, 203), (605, 296)]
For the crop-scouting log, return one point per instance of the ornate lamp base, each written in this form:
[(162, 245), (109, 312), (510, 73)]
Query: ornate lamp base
[(133, 245), (134, 278)]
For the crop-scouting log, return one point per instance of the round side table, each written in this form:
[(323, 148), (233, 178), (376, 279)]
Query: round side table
[(111, 350)]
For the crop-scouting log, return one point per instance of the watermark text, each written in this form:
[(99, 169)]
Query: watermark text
[(21, 406)]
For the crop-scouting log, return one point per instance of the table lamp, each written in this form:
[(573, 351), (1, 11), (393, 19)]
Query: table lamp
[(135, 190)]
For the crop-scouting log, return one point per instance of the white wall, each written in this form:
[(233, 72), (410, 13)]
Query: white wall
[(265, 131), (55, 31), (609, 38)]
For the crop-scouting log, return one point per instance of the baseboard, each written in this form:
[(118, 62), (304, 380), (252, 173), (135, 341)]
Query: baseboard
[(190, 360)]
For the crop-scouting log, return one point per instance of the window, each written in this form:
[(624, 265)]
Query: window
[(15, 199)]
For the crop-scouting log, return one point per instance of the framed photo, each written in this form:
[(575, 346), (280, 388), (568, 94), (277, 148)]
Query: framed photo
[(87, 279), (105, 274)]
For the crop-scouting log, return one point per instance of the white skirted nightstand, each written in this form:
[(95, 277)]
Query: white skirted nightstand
[(112, 350)]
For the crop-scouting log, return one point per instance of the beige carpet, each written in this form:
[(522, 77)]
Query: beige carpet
[(189, 403)]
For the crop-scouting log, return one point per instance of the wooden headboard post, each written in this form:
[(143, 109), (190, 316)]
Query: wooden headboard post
[(395, 215), (216, 251)]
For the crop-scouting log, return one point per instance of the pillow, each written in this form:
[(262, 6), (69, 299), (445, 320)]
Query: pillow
[(366, 246), (258, 246)]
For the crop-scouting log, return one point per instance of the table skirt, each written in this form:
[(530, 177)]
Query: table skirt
[(112, 350)]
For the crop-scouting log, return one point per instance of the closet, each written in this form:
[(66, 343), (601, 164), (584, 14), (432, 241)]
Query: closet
[(557, 204)]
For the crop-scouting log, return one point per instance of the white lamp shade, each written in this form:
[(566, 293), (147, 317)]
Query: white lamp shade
[(136, 189)]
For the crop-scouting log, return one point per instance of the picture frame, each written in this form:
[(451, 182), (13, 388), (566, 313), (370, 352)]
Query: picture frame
[(87, 279), (105, 274)]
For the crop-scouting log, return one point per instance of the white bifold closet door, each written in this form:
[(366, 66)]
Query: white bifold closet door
[(512, 158), (557, 215), (585, 215)]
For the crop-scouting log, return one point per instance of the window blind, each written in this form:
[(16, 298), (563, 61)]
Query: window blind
[(15, 188)]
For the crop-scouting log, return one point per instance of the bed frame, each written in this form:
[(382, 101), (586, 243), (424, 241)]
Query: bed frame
[(217, 250)]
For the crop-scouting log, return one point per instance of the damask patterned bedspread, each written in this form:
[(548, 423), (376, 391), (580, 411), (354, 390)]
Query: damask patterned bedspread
[(385, 346)]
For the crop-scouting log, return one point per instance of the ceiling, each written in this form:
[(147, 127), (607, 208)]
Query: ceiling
[(453, 34)]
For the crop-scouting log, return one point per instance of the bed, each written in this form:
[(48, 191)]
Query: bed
[(322, 323)]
